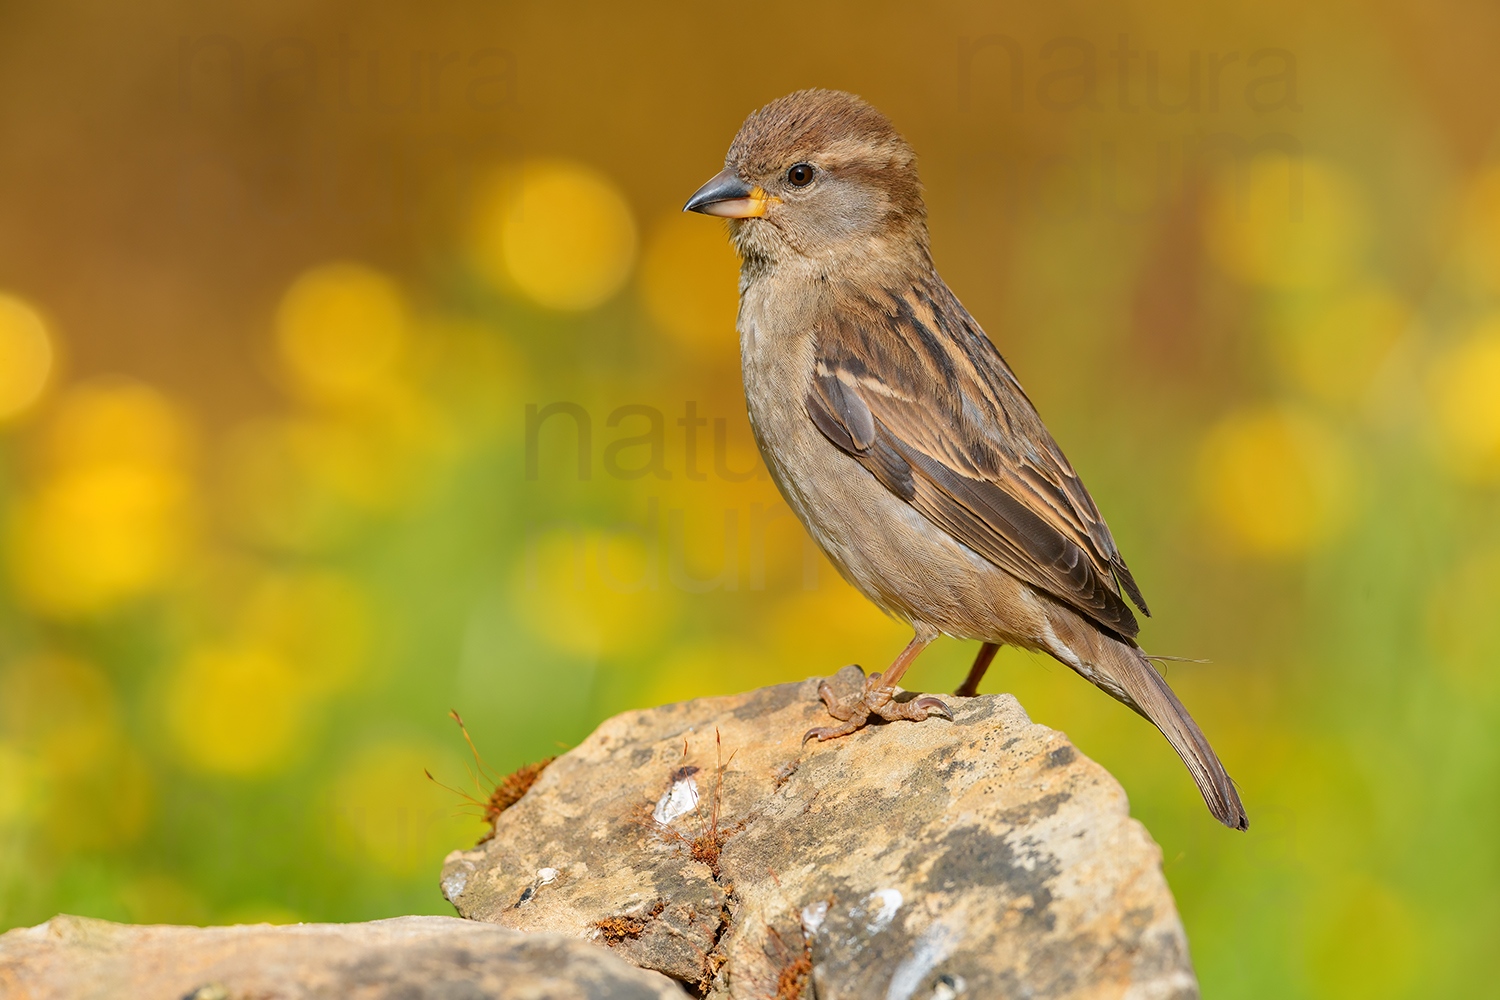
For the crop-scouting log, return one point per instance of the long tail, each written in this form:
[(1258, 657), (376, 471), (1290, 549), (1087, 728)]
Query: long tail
[(1124, 672)]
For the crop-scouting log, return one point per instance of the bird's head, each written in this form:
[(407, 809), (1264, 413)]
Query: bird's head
[(818, 176)]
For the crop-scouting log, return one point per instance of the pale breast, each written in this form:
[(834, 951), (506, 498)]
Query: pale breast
[(900, 560)]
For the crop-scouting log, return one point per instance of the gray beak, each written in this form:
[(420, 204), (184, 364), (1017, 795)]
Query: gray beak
[(728, 197)]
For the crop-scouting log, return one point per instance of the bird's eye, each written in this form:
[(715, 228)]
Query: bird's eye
[(801, 175)]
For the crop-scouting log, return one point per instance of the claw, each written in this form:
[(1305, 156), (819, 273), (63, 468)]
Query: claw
[(934, 706), (823, 734), (916, 709), (841, 712), (874, 699)]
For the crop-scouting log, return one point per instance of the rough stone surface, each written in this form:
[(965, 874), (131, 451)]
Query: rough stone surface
[(985, 857), (408, 958)]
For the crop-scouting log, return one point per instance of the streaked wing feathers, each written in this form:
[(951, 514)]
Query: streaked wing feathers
[(910, 387)]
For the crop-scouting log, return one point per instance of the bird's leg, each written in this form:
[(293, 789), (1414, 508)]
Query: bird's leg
[(970, 687), (878, 698)]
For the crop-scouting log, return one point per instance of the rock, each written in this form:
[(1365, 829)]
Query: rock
[(984, 857), (410, 958)]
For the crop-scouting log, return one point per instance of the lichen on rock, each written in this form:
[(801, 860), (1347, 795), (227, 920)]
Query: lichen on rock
[(985, 856)]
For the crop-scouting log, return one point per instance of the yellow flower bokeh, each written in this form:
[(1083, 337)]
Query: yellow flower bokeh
[(592, 592), (118, 422), (307, 482), (26, 356), (113, 517), (235, 710), (316, 622), (1464, 389), (234, 607), (341, 329), (1275, 481), (367, 465), (688, 282), (1286, 223), (558, 231), (91, 540), (1334, 349)]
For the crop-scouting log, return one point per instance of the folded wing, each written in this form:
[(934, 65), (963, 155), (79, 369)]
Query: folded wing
[(909, 386)]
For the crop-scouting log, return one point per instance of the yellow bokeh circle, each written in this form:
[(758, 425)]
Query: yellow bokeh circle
[(1464, 389), (341, 329), (1275, 482), (1286, 223), (316, 621), (90, 540), (557, 231), (113, 517), (235, 711), (690, 285), (118, 422), (1334, 349), (593, 593), (26, 356)]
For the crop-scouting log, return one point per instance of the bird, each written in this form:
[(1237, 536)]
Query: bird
[(900, 437)]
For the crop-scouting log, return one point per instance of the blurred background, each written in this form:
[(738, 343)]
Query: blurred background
[(356, 364)]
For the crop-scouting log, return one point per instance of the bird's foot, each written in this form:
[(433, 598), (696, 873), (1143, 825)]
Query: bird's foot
[(875, 699)]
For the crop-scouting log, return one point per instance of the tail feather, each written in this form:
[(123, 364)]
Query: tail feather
[(1124, 671)]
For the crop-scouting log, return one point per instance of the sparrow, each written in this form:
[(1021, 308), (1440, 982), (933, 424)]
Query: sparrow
[(900, 437)]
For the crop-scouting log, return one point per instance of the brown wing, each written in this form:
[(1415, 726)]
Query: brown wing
[(909, 386)]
